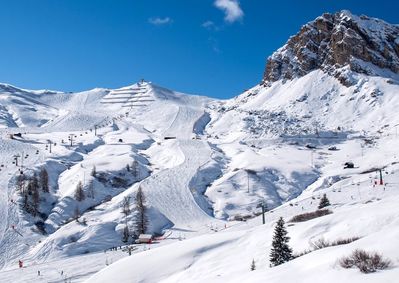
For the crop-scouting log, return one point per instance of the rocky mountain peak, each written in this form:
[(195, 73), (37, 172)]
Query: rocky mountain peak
[(333, 41)]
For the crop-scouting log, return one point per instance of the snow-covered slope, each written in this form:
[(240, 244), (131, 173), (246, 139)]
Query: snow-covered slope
[(205, 165), (127, 122), (358, 211)]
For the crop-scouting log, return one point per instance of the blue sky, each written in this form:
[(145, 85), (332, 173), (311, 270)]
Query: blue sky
[(216, 48)]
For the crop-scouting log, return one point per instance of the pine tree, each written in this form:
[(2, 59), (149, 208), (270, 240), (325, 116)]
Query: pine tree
[(79, 193), (280, 252), (43, 175), (253, 266), (141, 221), (324, 202)]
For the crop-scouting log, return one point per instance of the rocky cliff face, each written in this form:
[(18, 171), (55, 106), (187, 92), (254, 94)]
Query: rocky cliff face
[(333, 41)]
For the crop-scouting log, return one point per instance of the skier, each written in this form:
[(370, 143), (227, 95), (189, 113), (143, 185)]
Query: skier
[(20, 263), (38, 273)]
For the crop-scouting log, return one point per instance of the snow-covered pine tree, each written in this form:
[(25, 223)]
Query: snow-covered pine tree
[(280, 252), (141, 219), (43, 176), (324, 202), (79, 193)]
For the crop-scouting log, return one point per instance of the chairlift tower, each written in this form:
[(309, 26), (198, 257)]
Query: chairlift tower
[(263, 205)]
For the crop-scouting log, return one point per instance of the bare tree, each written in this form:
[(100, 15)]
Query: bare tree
[(90, 191), (33, 190), (135, 169), (126, 206), (43, 176), (20, 183), (126, 234)]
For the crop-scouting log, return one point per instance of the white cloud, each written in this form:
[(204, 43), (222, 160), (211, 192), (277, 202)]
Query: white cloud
[(160, 21), (209, 25), (231, 9)]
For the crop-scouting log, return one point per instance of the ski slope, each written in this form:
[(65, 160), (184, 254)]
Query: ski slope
[(124, 135), (204, 166), (169, 190), (226, 255)]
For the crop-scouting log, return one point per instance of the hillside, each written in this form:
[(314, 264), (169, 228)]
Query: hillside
[(205, 166)]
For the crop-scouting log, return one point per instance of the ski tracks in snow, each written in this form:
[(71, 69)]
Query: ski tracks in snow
[(169, 190)]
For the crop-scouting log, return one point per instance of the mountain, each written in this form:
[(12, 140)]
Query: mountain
[(335, 41), (329, 97)]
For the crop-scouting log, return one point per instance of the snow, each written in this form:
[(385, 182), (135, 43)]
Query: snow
[(226, 255), (203, 165)]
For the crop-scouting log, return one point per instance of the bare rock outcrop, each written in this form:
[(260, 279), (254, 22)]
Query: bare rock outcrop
[(334, 41)]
